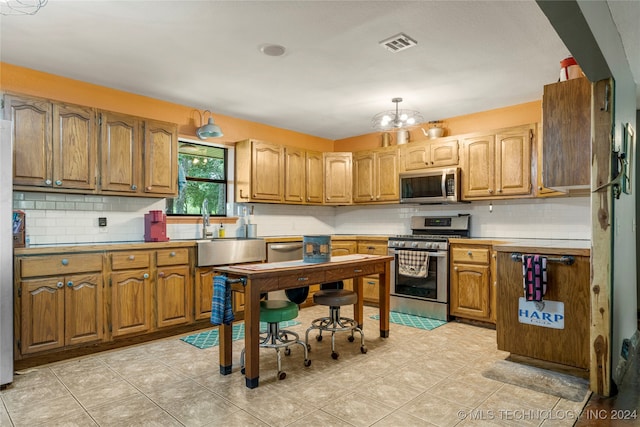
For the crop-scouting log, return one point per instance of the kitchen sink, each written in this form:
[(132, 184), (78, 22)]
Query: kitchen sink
[(231, 250)]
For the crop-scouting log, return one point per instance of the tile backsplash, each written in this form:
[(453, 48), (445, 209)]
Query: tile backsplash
[(73, 219)]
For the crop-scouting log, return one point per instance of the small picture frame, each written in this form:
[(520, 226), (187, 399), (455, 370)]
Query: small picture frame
[(628, 147)]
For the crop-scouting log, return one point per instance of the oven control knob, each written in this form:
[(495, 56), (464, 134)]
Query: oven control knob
[(428, 245), (401, 244), (414, 244)]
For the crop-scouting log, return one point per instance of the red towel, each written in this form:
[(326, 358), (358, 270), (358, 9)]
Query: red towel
[(534, 271)]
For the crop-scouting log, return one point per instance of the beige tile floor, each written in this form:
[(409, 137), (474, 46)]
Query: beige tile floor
[(413, 378)]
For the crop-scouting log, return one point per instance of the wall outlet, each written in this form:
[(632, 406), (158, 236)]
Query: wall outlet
[(102, 222)]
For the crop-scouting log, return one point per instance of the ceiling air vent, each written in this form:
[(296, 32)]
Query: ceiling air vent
[(398, 42)]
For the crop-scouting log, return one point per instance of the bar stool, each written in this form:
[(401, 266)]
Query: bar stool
[(332, 295), (273, 312)]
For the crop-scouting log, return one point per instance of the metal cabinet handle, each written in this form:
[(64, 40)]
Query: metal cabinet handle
[(134, 187), (146, 275), (131, 257), (58, 182), (70, 283), (490, 191), (455, 268), (161, 274), (149, 188), (469, 253), (303, 279), (64, 261), (47, 182), (371, 283), (172, 254), (357, 270), (59, 284)]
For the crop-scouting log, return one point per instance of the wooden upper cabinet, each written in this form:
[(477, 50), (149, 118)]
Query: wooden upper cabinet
[(120, 142), (498, 164), (160, 158), (375, 176), (54, 144), (259, 172), (74, 147), (478, 172), (337, 178), (429, 154), (566, 135), (314, 168), (513, 166), (294, 175)]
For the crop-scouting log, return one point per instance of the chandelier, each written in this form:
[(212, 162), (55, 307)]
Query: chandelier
[(396, 120), (21, 7)]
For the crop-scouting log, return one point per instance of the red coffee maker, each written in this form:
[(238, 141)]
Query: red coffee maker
[(155, 227)]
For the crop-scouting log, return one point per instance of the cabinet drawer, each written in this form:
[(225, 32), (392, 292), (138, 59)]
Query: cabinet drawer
[(129, 260), (301, 279), (347, 273), (50, 265), (173, 256), (478, 255), (372, 248)]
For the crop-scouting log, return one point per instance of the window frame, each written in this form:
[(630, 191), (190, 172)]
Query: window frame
[(229, 181)]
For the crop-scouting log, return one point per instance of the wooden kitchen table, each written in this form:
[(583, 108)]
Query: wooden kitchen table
[(267, 277)]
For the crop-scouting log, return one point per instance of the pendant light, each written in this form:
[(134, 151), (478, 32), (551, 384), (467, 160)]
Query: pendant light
[(210, 130)]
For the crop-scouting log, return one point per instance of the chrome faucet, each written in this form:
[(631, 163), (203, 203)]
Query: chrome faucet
[(205, 220)]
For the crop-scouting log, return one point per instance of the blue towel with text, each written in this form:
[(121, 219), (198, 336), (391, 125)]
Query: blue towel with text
[(221, 309)]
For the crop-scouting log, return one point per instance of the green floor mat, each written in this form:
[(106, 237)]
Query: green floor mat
[(412, 321), (209, 338)]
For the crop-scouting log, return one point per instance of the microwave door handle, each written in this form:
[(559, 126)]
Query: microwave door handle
[(443, 185)]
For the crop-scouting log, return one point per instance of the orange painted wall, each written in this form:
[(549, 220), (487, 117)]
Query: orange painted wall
[(530, 112), (35, 83)]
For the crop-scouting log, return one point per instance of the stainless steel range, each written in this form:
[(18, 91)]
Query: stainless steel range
[(420, 271)]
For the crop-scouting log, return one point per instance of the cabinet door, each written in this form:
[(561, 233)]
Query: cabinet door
[(416, 155), (371, 293), (513, 161), (566, 140), (315, 177), (386, 175), (83, 308), (120, 142), (267, 180), (160, 159), (469, 291), (74, 147), (31, 130), (173, 295), (42, 314), (294, 175), (443, 153), (204, 293), (337, 178), (344, 247), (130, 302), (478, 173), (364, 177)]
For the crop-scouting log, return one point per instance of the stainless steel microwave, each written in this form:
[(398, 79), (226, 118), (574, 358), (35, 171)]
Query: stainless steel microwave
[(430, 186)]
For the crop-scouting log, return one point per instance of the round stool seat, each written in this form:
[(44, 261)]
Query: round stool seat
[(274, 311), (335, 297)]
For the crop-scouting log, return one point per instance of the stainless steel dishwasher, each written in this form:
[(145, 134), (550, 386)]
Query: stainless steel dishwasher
[(283, 251)]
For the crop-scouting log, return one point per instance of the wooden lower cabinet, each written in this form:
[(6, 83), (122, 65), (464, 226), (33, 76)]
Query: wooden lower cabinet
[(131, 309), (61, 311), (371, 284), (204, 293), (470, 282), (344, 247), (173, 288), (58, 302)]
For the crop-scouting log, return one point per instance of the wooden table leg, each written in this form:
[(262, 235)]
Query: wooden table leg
[(358, 312), (225, 339), (384, 299), (252, 334)]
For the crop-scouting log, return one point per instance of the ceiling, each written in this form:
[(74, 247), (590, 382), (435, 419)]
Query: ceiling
[(334, 76)]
